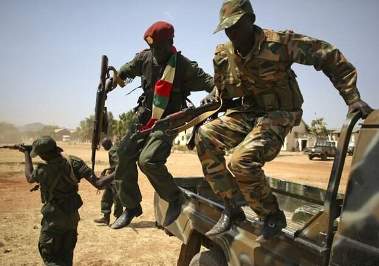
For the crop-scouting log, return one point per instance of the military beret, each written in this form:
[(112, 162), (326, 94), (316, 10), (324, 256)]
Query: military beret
[(44, 145), (158, 32)]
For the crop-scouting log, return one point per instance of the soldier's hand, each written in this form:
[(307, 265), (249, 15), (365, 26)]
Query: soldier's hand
[(362, 107), (211, 97), (23, 148), (118, 81)]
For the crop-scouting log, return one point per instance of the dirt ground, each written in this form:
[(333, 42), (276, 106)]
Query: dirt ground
[(140, 243)]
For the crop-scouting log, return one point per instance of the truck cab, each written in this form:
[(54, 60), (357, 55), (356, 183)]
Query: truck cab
[(324, 226)]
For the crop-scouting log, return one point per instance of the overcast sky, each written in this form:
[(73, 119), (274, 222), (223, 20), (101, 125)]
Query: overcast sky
[(50, 50)]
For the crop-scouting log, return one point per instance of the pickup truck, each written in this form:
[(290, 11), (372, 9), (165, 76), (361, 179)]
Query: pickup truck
[(324, 227)]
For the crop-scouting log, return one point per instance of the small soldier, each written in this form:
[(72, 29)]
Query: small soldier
[(58, 179), (255, 66), (109, 197)]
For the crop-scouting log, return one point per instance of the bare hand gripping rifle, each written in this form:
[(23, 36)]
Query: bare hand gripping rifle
[(100, 123)]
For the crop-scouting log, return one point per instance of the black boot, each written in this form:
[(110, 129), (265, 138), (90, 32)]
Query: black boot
[(103, 220), (273, 225), (232, 213), (173, 211), (126, 217)]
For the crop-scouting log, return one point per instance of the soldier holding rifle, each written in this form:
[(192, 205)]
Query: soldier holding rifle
[(167, 79), (58, 178)]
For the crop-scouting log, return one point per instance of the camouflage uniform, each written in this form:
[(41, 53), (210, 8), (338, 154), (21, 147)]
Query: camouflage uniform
[(109, 195), (58, 179), (152, 151), (270, 106)]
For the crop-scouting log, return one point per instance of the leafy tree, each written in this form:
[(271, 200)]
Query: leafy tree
[(126, 123), (85, 129), (318, 128)]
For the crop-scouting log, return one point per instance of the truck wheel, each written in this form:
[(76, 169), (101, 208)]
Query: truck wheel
[(208, 258), (310, 157), (324, 157)]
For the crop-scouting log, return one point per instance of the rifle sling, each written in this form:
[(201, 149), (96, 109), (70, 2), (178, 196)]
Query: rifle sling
[(197, 120)]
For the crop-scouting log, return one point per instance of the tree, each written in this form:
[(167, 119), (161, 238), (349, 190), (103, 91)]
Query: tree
[(318, 128), (125, 124), (85, 129)]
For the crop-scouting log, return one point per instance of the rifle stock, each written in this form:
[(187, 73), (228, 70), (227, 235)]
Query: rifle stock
[(100, 119)]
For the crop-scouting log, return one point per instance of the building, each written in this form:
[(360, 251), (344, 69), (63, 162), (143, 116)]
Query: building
[(298, 139), (62, 134)]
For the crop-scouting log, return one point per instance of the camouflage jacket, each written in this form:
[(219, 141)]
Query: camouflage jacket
[(264, 77), (188, 77)]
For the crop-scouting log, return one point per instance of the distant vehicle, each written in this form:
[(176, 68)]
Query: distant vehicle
[(324, 227), (322, 149)]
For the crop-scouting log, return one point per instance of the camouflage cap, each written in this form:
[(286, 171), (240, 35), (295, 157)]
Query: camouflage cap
[(231, 11), (43, 145)]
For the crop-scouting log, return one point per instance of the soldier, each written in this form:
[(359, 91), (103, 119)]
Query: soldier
[(256, 66), (167, 79), (109, 195), (58, 179)]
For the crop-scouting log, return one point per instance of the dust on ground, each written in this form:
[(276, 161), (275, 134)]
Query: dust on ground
[(140, 243)]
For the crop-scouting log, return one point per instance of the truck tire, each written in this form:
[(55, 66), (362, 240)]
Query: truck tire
[(208, 258), (310, 157), (324, 157)]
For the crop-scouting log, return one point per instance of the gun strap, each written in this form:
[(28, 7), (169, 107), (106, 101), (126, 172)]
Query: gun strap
[(202, 117)]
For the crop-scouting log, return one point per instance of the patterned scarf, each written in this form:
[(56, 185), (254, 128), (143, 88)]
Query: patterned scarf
[(162, 91)]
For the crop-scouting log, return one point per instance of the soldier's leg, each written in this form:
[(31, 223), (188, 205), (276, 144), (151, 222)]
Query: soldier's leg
[(49, 246), (107, 201), (106, 206), (117, 205), (68, 245), (152, 163), (261, 145), (211, 141), (126, 178)]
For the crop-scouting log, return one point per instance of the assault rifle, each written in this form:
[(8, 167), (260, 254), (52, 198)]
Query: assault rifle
[(182, 120), (100, 123), (17, 147)]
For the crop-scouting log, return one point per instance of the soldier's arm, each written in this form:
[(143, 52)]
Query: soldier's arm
[(82, 170), (324, 56), (133, 68), (195, 79), (28, 168)]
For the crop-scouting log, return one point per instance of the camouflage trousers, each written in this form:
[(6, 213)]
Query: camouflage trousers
[(151, 153), (110, 198), (254, 140)]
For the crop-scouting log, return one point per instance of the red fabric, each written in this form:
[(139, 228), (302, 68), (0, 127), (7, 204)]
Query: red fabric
[(148, 125), (163, 88), (160, 31)]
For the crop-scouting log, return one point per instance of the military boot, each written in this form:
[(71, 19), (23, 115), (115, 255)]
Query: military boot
[(103, 220), (173, 211), (232, 213), (126, 217), (273, 225)]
